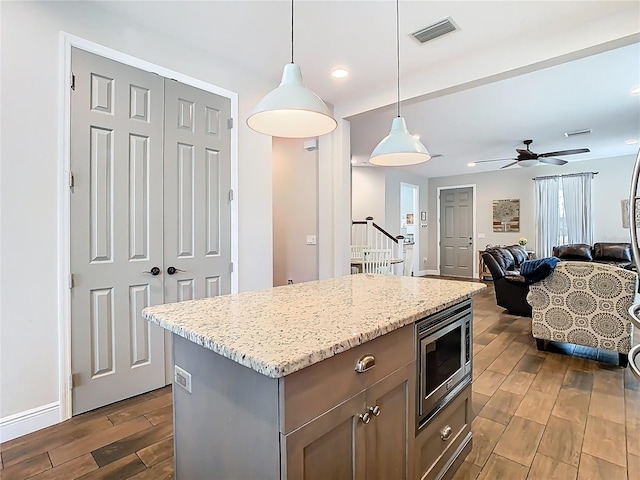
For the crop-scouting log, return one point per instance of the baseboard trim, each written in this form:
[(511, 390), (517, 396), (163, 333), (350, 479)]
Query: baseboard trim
[(429, 272), (21, 423)]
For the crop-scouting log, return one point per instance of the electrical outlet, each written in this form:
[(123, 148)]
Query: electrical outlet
[(311, 240), (182, 378), (289, 282)]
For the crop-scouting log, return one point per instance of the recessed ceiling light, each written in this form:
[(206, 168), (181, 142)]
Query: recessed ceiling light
[(471, 164), (632, 141), (635, 91), (339, 73)]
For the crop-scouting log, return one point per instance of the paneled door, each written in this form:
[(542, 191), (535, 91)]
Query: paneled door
[(150, 219), (456, 232), (116, 230), (197, 201)]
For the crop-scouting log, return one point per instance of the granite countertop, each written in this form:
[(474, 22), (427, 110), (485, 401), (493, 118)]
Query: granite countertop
[(280, 330)]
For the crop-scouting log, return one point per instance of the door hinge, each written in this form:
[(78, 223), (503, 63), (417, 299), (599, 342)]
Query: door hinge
[(73, 381), (231, 267), (71, 281), (230, 195), (71, 180), (229, 123), (73, 81)]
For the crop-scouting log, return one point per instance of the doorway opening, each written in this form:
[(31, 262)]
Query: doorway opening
[(409, 221)]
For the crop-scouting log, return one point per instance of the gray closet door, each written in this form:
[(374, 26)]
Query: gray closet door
[(197, 184), (456, 232), (116, 230)]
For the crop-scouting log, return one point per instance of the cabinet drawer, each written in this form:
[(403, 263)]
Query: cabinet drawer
[(314, 390), (441, 437)]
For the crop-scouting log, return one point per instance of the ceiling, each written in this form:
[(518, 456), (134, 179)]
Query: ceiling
[(485, 122), (491, 121)]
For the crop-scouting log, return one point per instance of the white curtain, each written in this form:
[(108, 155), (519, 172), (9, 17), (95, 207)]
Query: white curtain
[(547, 215), (576, 192)]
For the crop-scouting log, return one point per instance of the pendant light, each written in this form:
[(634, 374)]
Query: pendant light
[(399, 148), (292, 110)]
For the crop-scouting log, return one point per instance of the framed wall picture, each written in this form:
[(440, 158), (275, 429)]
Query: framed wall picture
[(506, 215), (409, 218)]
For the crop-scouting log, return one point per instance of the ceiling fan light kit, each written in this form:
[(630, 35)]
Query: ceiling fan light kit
[(399, 148), (292, 110), (527, 158)]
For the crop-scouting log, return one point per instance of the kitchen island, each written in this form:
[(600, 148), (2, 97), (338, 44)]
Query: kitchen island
[(275, 390)]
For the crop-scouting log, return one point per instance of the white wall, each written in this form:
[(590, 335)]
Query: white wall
[(368, 194), (295, 211), (29, 179), (609, 188)]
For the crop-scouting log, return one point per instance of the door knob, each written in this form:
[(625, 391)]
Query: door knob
[(375, 411), (173, 270), (365, 417), (155, 271)]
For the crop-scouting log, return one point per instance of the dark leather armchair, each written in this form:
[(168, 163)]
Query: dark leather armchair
[(510, 287)]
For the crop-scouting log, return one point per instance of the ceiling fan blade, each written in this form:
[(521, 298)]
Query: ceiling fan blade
[(522, 151), (565, 152), (552, 161), (508, 165), (495, 160)]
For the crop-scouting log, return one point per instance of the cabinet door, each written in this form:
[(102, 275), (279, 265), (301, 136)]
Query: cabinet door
[(329, 447), (390, 441)]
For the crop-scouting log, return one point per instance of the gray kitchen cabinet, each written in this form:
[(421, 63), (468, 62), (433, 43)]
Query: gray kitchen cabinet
[(365, 437)]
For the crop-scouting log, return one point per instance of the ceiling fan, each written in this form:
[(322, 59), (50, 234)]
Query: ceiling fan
[(527, 158)]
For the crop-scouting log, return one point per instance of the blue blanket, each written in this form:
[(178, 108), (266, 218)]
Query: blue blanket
[(535, 270)]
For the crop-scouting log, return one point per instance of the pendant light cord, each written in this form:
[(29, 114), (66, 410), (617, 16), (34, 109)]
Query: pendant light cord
[(398, 48), (291, 31)]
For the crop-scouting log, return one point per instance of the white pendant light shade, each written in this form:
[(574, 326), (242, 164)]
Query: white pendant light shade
[(292, 110), (399, 148)]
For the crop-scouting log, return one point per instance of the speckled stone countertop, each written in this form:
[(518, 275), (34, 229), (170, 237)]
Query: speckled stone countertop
[(280, 330)]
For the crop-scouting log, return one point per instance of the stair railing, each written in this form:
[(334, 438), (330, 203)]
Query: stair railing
[(367, 232)]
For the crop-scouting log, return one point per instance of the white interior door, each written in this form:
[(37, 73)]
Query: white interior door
[(116, 230), (456, 232), (197, 201)]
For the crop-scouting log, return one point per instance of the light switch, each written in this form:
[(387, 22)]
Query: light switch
[(311, 240)]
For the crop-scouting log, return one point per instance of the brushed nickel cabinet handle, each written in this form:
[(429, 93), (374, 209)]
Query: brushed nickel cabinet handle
[(445, 433), (365, 363)]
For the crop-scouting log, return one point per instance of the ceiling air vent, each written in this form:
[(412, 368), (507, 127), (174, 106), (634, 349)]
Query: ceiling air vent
[(434, 31)]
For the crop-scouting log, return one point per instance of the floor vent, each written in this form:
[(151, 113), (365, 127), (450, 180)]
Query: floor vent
[(434, 31)]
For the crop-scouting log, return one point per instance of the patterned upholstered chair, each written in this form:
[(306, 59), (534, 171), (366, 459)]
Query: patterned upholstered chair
[(585, 304)]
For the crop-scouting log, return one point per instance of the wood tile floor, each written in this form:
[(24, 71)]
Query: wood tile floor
[(540, 416)]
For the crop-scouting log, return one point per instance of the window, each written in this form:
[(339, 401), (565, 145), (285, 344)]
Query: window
[(563, 211)]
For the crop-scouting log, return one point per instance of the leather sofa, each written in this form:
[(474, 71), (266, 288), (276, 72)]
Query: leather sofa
[(510, 287), (610, 253)]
